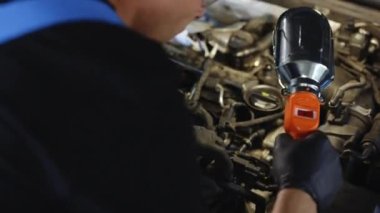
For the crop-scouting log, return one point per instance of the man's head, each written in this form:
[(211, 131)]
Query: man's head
[(158, 19)]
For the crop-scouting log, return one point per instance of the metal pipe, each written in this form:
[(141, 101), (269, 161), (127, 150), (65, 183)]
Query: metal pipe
[(220, 89)]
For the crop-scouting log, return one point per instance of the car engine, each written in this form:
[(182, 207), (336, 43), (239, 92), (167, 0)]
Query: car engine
[(231, 87)]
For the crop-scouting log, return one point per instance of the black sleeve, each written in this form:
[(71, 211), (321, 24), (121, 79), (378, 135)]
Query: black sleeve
[(102, 103), (28, 179)]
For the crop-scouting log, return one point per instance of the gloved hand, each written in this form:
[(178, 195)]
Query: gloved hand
[(309, 164)]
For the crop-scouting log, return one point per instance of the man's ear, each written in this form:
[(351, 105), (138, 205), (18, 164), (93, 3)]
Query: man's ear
[(113, 2)]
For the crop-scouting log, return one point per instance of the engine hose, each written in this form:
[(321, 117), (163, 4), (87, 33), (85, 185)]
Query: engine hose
[(373, 136), (376, 90), (266, 187), (198, 87), (206, 116), (348, 86), (250, 196), (370, 3), (223, 163), (356, 66), (258, 121)]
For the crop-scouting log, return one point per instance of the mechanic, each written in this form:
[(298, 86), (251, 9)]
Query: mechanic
[(91, 121)]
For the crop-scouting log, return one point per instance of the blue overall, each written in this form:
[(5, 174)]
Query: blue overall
[(21, 17)]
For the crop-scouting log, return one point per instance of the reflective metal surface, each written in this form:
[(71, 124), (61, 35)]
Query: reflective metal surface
[(303, 49), (303, 73)]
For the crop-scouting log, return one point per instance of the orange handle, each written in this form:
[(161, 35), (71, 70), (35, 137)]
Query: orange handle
[(302, 112)]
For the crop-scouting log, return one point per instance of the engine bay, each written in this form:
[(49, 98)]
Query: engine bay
[(231, 87)]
